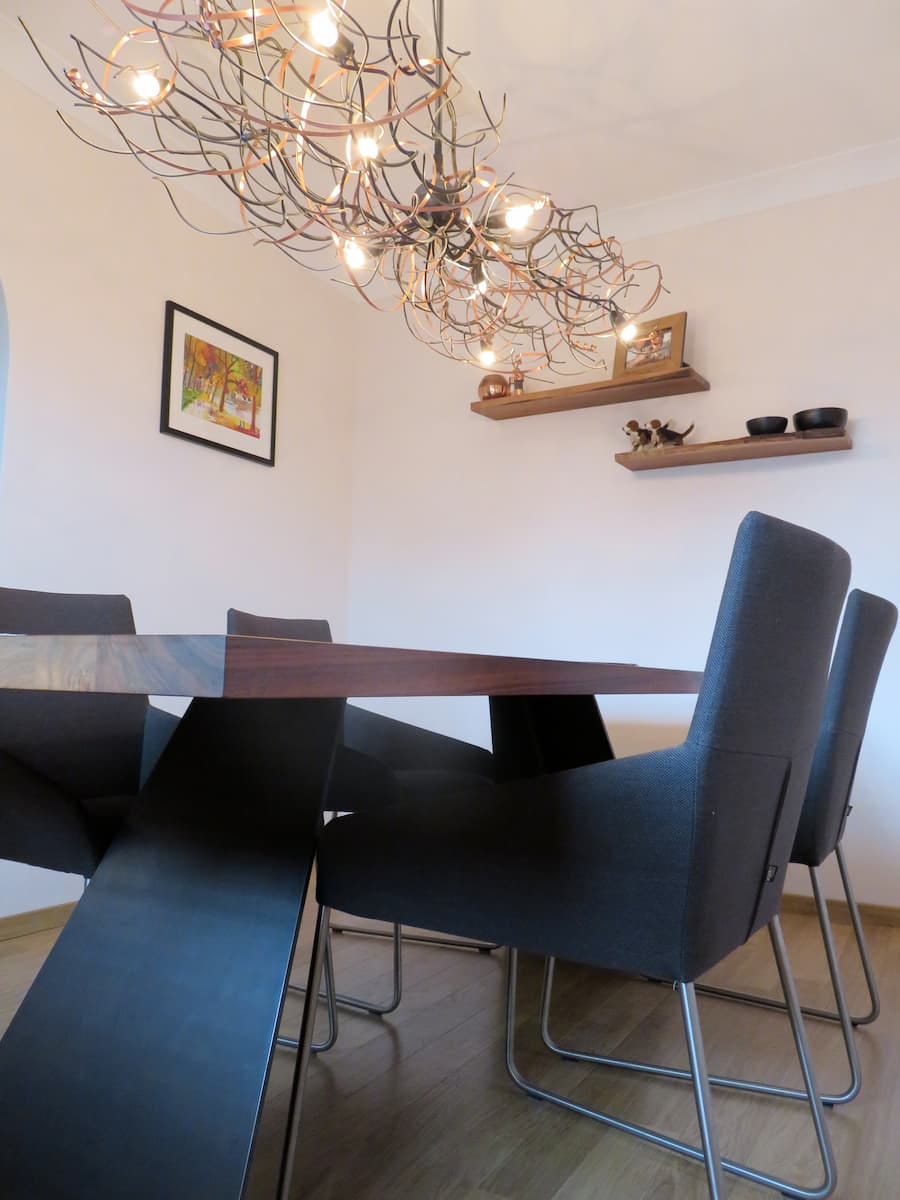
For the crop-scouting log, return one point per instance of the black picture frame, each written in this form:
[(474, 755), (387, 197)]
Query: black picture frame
[(219, 387)]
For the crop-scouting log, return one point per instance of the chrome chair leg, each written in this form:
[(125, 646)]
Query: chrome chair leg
[(330, 998), (428, 939), (374, 1009), (862, 948), (712, 1156), (861, 943), (850, 1092), (295, 1103), (825, 1189), (369, 1006)]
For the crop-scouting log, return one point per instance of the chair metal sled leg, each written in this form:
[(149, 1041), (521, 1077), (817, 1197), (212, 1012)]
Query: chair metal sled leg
[(862, 947), (372, 1007), (329, 995), (319, 953), (744, 1085), (428, 939), (708, 1154)]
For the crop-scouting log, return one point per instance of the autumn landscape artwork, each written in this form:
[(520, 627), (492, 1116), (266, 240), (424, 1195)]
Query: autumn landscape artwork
[(220, 386)]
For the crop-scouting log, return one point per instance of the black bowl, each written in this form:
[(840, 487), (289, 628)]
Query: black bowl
[(820, 418), (757, 426)]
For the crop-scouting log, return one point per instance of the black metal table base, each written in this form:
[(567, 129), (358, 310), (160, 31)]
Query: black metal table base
[(136, 1065)]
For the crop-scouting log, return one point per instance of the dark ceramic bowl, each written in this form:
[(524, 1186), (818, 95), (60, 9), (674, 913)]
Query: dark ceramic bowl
[(757, 426), (820, 418)]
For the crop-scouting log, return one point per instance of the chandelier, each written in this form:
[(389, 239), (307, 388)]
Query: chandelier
[(367, 156)]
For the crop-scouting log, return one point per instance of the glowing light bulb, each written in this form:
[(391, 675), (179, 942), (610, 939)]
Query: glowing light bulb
[(487, 355), (367, 146), (628, 332), (146, 85), (355, 256), (518, 216), (323, 28)]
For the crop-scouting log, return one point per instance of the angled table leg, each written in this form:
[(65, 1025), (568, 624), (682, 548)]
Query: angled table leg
[(135, 1066), (534, 735)]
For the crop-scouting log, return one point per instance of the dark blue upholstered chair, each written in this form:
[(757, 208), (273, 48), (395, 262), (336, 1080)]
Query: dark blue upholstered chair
[(866, 632), (69, 761), (865, 635), (660, 864), (378, 760)]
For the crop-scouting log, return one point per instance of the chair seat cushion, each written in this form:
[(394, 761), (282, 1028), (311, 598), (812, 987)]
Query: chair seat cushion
[(432, 784), (360, 783), (587, 864)]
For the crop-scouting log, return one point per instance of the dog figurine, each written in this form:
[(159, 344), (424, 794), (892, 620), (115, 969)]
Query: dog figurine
[(662, 435), (638, 435)]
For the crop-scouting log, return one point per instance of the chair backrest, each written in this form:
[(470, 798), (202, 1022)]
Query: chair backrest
[(755, 725), (86, 743), (305, 630), (866, 632)]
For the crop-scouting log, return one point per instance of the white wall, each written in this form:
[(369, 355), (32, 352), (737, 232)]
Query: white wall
[(525, 537), (92, 496), (519, 537)]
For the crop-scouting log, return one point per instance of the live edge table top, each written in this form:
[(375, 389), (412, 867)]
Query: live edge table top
[(235, 667)]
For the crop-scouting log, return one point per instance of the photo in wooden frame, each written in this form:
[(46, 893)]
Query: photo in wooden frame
[(657, 347)]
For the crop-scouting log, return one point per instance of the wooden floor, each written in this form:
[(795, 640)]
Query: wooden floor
[(417, 1106)]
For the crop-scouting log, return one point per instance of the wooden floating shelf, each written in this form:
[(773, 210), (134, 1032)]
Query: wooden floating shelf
[(778, 445), (592, 395)]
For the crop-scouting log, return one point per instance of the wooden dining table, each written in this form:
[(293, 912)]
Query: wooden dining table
[(136, 1065)]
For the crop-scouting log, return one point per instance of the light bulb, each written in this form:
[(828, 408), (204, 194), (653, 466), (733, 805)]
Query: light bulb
[(323, 28), (487, 355), (146, 85), (628, 332), (367, 146), (355, 256), (518, 216)]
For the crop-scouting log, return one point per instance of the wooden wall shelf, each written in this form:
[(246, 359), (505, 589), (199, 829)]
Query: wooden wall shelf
[(593, 395), (773, 446)]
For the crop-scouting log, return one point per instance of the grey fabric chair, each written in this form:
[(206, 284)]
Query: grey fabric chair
[(659, 864), (70, 761), (866, 631), (865, 635), (378, 760)]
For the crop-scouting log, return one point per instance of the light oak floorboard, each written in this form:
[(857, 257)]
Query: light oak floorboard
[(417, 1105)]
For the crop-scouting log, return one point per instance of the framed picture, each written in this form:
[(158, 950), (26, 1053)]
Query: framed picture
[(657, 347), (218, 387)]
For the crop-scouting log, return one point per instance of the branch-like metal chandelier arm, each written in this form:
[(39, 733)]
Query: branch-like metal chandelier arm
[(338, 145)]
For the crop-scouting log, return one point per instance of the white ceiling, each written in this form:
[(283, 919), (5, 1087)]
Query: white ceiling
[(625, 101), (622, 102)]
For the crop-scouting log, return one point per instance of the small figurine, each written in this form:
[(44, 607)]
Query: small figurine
[(638, 435), (517, 379), (661, 435)]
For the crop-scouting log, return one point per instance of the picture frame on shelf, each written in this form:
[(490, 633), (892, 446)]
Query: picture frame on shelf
[(219, 387), (656, 348)]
